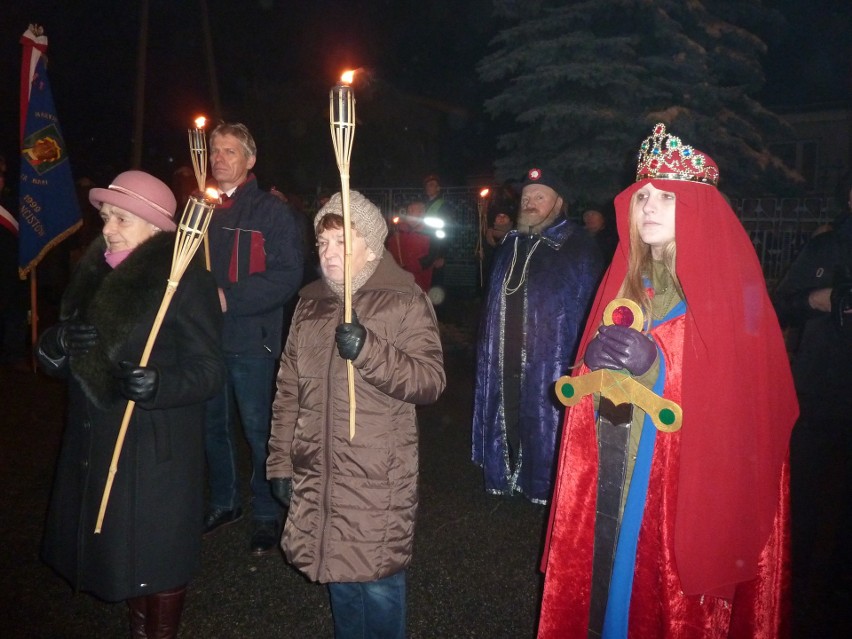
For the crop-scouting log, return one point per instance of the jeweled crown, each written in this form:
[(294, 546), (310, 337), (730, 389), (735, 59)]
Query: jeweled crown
[(663, 156)]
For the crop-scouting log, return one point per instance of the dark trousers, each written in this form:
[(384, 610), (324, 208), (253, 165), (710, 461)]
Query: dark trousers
[(821, 500), (248, 389)]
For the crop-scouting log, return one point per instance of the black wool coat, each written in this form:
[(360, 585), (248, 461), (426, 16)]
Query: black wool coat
[(151, 535), (822, 366)]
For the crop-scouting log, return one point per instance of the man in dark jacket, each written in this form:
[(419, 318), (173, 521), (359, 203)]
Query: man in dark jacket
[(816, 297), (438, 209), (256, 257), (543, 280)]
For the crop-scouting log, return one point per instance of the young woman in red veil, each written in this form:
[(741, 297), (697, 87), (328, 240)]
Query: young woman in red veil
[(695, 542)]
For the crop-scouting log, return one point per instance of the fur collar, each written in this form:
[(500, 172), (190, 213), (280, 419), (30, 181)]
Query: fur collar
[(114, 300)]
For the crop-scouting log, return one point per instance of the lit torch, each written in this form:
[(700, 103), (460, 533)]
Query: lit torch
[(395, 221), (198, 153), (342, 122), (482, 207)]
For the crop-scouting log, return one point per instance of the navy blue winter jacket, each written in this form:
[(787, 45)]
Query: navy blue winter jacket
[(256, 257)]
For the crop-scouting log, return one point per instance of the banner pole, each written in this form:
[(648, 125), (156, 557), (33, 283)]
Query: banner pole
[(33, 316)]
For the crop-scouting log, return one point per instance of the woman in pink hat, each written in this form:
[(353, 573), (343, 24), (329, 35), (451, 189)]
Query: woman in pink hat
[(676, 532), (149, 546)]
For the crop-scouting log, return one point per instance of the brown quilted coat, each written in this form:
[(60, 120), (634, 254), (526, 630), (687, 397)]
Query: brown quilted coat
[(354, 502)]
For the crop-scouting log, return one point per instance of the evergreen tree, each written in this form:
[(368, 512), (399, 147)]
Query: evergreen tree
[(584, 82)]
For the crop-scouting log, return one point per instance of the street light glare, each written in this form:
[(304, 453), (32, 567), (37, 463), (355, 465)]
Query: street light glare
[(433, 222)]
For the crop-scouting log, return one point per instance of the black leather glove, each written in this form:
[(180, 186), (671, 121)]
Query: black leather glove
[(350, 338), (620, 347), (76, 338), (282, 490), (138, 383)]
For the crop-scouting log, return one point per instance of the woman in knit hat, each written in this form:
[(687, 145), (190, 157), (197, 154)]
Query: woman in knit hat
[(354, 501), (149, 545), (680, 533)]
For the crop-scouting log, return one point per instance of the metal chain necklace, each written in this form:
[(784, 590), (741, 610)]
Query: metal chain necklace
[(507, 290)]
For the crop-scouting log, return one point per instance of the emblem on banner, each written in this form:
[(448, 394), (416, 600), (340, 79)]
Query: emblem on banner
[(43, 149)]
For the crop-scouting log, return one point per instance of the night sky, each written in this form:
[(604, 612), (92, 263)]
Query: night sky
[(276, 60)]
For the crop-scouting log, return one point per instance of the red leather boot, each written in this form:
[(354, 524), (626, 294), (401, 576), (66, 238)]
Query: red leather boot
[(162, 616)]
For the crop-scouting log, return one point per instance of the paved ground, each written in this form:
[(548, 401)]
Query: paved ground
[(475, 559)]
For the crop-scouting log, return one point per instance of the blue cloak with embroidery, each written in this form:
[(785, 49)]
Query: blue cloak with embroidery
[(561, 280)]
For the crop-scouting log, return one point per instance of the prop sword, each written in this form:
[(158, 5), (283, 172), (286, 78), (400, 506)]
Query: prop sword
[(619, 393)]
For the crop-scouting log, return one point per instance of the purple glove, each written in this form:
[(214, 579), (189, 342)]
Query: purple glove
[(620, 347)]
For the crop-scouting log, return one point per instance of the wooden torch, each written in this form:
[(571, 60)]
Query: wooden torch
[(342, 124), (482, 209), (190, 233), (198, 153)]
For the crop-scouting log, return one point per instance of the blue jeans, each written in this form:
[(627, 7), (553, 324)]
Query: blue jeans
[(249, 381), (371, 609)]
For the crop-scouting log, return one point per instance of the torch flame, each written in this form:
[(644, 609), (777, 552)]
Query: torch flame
[(484, 192), (200, 121), (211, 194), (395, 219), (347, 77)]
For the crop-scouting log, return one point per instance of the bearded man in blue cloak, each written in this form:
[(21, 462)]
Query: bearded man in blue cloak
[(545, 274)]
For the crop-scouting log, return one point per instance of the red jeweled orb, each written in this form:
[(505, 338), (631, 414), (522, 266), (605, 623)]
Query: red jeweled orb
[(622, 316)]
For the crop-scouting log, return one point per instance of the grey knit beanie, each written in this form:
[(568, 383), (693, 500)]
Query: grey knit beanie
[(366, 219)]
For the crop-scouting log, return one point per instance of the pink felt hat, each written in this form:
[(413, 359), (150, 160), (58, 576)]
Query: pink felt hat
[(141, 194)]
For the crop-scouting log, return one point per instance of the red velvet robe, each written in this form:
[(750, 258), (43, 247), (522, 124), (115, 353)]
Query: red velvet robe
[(658, 608), (716, 518)]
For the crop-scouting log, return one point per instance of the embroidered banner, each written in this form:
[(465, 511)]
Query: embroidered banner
[(48, 210)]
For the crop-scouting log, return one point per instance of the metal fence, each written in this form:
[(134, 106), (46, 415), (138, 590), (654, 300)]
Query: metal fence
[(778, 228)]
